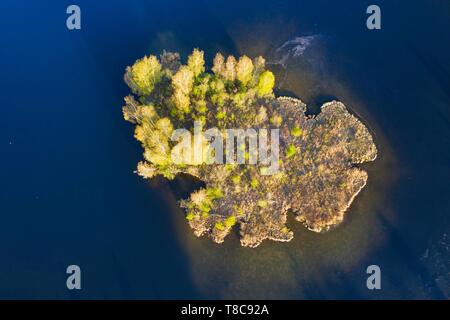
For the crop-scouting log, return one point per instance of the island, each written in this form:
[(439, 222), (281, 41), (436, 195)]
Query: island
[(311, 162)]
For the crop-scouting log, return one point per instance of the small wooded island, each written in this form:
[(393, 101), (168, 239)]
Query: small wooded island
[(311, 168)]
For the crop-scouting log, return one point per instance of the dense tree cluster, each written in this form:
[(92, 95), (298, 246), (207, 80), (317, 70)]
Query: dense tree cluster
[(171, 94)]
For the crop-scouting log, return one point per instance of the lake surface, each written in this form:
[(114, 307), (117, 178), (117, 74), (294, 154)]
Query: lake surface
[(69, 194)]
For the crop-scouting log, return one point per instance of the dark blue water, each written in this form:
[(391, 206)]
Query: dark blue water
[(69, 195)]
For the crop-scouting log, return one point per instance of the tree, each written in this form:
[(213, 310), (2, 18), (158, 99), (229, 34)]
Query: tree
[(230, 69), (131, 110), (146, 170), (201, 87), (183, 80), (182, 83), (218, 65), (230, 221), (144, 74), (244, 70), (165, 127), (156, 141), (290, 151), (260, 65), (219, 226), (199, 197), (196, 62), (170, 61), (266, 83), (148, 112), (296, 131), (181, 101)]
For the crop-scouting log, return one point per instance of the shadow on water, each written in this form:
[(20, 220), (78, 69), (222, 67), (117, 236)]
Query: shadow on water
[(184, 184), (314, 108)]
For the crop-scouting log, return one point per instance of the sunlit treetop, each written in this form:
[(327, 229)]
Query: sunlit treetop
[(144, 74)]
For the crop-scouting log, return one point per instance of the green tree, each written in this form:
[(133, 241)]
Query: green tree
[(265, 84), (230, 221), (291, 150)]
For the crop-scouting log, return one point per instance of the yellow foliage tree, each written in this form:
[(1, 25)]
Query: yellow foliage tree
[(266, 83), (218, 65), (181, 101), (196, 62), (182, 83), (244, 70), (145, 73), (183, 80), (230, 69)]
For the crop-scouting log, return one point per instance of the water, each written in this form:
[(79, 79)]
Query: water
[(69, 195)]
